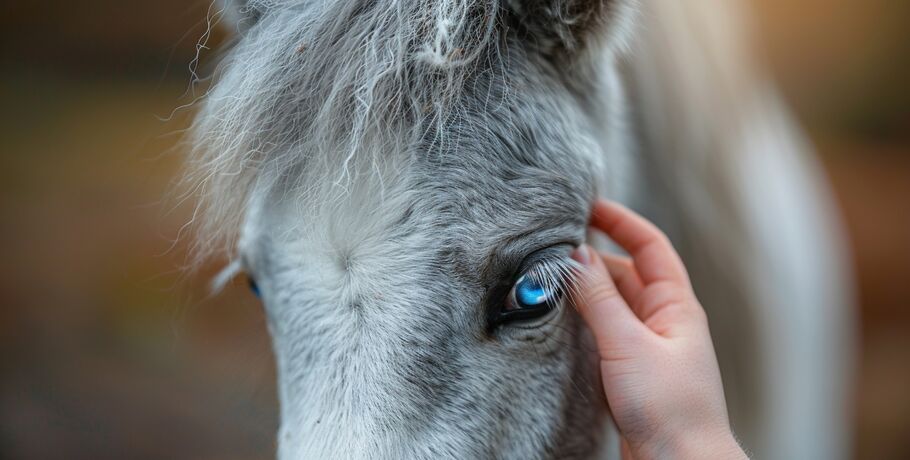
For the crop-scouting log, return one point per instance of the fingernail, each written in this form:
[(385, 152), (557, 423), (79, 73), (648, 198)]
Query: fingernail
[(582, 254)]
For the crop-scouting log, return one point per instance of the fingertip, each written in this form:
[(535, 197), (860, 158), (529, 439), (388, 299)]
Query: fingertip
[(604, 207), (582, 254), (589, 259)]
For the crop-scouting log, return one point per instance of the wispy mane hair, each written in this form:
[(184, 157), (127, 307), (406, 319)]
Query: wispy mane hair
[(329, 80)]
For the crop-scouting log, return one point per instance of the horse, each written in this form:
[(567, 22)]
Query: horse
[(403, 181)]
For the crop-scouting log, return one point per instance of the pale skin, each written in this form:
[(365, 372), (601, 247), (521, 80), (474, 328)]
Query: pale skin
[(659, 370)]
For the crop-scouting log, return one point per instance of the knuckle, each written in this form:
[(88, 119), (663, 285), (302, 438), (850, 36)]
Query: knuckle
[(602, 292), (699, 313), (627, 264)]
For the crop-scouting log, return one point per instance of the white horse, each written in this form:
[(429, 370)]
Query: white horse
[(395, 175)]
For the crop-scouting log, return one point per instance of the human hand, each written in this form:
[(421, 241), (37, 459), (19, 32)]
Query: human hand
[(659, 370)]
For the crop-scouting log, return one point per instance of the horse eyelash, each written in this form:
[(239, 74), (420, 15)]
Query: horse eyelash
[(557, 274)]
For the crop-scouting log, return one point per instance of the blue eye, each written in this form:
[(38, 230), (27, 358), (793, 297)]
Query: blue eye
[(254, 287), (529, 294), (535, 289)]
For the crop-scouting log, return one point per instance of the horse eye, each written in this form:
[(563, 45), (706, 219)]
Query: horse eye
[(528, 299), (254, 287), (527, 293)]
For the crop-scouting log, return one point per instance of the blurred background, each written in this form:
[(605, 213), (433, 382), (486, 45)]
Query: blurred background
[(108, 350)]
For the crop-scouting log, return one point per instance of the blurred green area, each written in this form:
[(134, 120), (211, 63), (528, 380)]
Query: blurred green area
[(108, 350)]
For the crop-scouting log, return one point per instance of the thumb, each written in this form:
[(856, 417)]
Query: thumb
[(601, 305)]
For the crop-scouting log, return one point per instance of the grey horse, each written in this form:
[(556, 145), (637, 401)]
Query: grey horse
[(403, 181)]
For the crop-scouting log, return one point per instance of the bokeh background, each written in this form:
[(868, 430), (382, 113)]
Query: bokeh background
[(107, 349)]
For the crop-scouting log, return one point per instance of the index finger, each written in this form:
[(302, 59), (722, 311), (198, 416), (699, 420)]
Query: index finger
[(651, 250)]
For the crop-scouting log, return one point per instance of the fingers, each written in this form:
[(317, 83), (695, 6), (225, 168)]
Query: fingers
[(601, 304), (625, 276), (651, 251)]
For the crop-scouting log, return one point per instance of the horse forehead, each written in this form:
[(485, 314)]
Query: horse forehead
[(391, 220)]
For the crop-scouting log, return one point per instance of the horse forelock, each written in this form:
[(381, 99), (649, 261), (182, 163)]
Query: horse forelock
[(351, 81), (329, 80)]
